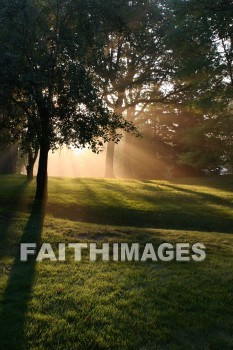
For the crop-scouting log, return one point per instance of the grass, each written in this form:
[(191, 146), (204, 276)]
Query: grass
[(117, 305)]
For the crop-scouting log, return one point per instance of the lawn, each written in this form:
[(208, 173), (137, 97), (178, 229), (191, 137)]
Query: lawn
[(117, 305)]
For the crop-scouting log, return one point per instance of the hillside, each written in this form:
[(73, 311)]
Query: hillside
[(117, 305)]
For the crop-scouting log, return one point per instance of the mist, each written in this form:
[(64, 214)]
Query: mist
[(76, 163), (79, 163), (137, 160)]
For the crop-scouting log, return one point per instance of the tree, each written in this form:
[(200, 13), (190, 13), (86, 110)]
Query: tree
[(200, 39), (132, 70), (18, 134), (8, 141), (188, 53), (46, 70)]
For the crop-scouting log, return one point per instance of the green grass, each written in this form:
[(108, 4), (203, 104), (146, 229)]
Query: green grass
[(117, 305)]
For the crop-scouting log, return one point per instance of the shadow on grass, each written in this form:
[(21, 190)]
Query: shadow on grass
[(10, 206), (17, 294), (162, 208), (206, 197), (222, 183)]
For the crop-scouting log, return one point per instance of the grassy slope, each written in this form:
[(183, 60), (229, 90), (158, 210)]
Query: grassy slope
[(118, 306)]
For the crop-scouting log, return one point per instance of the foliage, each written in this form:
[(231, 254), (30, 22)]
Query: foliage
[(44, 62), (70, 68)]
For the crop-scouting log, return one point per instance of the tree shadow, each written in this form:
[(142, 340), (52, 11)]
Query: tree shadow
[(222, 183), (17, 294), (207, 197), (10, 207), (187, 210)]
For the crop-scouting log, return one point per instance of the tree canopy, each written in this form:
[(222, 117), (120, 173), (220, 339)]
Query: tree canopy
[(79, 72), (47, 72)]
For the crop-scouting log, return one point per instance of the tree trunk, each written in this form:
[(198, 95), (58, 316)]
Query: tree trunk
[(8, 159), (42, 175), (31, 162), (30, 167), (109, 160), (109, 172), (127, 170), (127, 156)]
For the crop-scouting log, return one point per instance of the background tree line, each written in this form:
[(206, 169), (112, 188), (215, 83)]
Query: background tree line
[(77, 73)]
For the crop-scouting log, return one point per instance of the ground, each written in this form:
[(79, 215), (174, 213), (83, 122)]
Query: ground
[(117, 305)]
